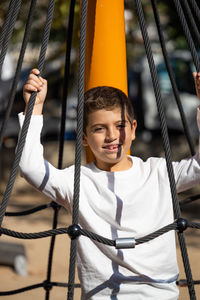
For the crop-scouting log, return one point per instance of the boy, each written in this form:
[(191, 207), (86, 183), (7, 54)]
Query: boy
[(120, 196)]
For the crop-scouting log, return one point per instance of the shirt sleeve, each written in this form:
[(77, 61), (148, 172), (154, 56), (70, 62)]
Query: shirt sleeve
[(39, 172), (187, 171)]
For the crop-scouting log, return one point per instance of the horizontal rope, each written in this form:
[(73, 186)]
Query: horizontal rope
[(189, 200), (183, 282), (36, 286), (28, 211), (79, 231)]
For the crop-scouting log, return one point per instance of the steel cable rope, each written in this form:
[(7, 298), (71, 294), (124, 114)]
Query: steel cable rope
[(27, 117), (8, 35), (50, 257), (92, 235), (189, 200), (66, 82), (28, 114), (176, 225), (18, 70), (28, 211), (36, 286), (187, 34), (7, 21), (171, 76), (62, 133), (166, 144), (191, 19), (195, 8), (173, 226), (194, 227), (80, 108), (176, 93), (53, 204)]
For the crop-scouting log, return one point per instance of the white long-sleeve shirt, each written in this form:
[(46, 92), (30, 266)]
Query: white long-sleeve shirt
[(131, 203)]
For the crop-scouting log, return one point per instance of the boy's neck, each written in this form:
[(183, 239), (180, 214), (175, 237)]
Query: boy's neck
[(117, 167)]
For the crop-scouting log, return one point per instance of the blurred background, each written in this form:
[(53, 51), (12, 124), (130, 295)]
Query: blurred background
[(148, 142), (139, 79)]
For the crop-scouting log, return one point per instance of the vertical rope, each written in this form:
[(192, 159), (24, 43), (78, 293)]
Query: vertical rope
[(11, 26), (25, 126), (171, 76), (18, 69), (166, 145), (66, 82), (51, 250), (78, 144), (61, 139)]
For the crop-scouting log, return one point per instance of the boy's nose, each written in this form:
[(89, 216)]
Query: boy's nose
[(111, 134)]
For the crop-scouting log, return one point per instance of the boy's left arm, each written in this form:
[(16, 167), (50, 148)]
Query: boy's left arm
[(187, 171), (197, 87)]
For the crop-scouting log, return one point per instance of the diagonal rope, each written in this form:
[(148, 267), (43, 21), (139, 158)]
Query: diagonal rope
[(24, 131), (7, 21), (192, 21), (171, 76), (9, 32), (166, 144), (195, 8), (77, 170), (18, 70), (188, 37)]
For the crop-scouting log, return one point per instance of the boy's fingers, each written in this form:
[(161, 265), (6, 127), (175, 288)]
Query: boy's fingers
[(34, 83), (35, 71), (30, 88), (35, 78)]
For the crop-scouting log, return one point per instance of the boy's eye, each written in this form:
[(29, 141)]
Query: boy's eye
[(98, 129), (121, 125)]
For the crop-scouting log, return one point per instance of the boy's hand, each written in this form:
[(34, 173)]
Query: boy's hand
[(37, 84), (197, 83)]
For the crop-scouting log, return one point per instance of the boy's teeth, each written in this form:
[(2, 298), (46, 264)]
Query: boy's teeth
[(112, 147)]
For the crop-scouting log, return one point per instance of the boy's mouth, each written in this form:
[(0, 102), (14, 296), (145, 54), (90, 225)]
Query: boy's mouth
[(112, 148)]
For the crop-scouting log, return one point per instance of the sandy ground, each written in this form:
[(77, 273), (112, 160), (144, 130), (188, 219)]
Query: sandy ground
[(25, 197)]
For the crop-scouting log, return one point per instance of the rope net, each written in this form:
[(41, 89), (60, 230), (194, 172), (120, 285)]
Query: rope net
[(74, 230)]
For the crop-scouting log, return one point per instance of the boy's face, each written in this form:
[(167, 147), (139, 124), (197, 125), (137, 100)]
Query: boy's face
[(109, 134)]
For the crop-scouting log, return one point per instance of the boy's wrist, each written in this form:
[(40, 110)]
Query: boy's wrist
[(37, 109)]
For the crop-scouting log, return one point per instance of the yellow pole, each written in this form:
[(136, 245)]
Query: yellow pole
[(105, 47)]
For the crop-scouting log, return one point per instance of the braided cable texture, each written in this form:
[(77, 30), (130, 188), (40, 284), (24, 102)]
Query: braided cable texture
[(18, 70), (11, 26), (166, 145), (78, 149), (187, 34)]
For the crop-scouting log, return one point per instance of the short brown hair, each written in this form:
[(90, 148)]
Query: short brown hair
[(106, 97)]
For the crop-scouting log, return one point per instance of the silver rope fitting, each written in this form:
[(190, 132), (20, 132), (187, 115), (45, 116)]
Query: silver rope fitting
[(124, 243)]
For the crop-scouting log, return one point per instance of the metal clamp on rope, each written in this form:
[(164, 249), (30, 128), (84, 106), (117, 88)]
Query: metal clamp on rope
[(124, 243)]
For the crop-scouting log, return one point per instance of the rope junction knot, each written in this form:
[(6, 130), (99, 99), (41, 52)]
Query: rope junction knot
[(47, 285), (74, 231), (182, 225)]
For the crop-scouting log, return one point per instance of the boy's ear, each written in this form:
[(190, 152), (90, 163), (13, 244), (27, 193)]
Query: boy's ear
[(134, 126), (84, 140)]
